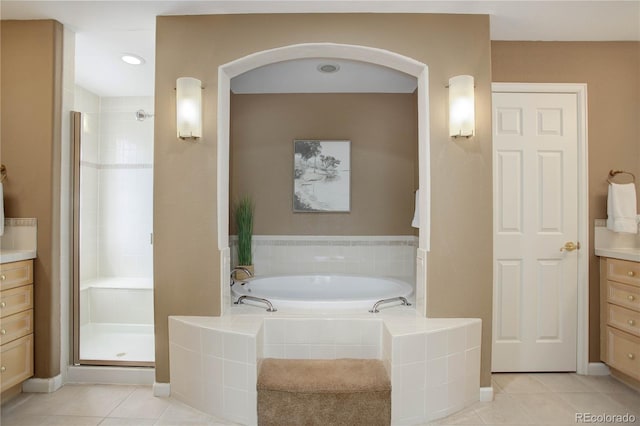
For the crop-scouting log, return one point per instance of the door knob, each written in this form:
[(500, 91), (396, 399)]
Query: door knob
[(570, 246)]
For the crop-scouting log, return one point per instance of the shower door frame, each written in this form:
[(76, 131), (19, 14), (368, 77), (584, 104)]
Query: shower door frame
[(76, 143)]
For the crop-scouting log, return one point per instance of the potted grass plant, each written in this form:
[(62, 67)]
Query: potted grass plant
[(244, 223)]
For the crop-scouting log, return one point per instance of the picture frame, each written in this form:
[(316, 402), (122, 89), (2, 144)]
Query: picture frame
[(321, 176)]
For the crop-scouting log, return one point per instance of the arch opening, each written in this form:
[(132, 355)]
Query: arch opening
[(366, 54)]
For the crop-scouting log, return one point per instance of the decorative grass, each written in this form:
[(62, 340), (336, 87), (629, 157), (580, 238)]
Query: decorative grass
[(244, 222)]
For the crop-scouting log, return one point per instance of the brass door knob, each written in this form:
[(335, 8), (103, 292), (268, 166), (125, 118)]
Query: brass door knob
[(3, 331), (631, 356), (631, 297), (3, 369), (631, 322), (3, 277), (3, 304), (570, 246), (631, 273)]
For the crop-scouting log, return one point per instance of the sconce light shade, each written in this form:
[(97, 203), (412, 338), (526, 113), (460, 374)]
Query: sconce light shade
[(462, 121), (189, 108)]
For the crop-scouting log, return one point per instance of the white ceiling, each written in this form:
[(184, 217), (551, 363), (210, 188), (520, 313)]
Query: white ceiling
[(106, 29)]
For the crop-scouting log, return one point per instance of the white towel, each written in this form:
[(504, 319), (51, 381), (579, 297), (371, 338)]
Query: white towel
[(416, 214), (1, 210), (621, 208)]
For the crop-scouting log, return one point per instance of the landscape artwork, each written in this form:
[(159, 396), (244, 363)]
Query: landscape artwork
[(321, 176)]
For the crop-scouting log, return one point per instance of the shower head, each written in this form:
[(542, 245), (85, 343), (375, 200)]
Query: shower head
[(141, 115)]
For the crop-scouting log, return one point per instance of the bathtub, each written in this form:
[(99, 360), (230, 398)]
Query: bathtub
[(349, 292)]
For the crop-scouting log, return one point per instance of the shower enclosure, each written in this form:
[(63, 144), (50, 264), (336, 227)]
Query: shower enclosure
[(113, 258)]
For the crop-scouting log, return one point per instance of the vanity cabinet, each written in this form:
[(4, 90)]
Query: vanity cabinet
[(620, 315), (16, 323)]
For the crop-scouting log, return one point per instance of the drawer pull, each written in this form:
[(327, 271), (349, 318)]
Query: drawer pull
[(631, 273), (3, 369), (3, 304), (3, 277), (3, 331), (631, 356), (631, 322), (631, 297)]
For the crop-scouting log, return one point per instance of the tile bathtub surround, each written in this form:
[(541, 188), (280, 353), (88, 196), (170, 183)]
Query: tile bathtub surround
[(392, 256), (322, 338), (215, 370), (434, 364)]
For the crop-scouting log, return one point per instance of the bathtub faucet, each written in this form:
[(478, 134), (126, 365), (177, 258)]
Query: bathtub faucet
[(236, 269), (375, 309), (241, 299)]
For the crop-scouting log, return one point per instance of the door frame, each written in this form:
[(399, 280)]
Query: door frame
[(580, 90)]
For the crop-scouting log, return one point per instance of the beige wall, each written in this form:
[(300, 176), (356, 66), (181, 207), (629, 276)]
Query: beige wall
[(186, 257), (31, 84), (383, 130), (611, 71)]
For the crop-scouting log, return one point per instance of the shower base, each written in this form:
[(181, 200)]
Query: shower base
[(117, 342)]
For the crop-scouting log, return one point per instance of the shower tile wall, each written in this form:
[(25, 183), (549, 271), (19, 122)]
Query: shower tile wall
[(116, 186), (126, 188), (391, 256)]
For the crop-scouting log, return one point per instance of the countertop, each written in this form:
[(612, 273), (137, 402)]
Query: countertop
[(7, 256), (632, 254)]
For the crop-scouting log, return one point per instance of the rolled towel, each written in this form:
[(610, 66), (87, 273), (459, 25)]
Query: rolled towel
[(416, 214), (621, 208)]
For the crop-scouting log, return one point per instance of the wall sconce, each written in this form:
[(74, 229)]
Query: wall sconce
[(189, 108), (462, 121)]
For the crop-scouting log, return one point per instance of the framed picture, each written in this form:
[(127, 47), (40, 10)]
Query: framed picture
[(321, 176)]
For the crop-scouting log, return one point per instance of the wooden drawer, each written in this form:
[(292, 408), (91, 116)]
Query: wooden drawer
[(16, 274), (16, 300), (16, 362), (15, 326), (623, 295), (624, 319), (624, 271)]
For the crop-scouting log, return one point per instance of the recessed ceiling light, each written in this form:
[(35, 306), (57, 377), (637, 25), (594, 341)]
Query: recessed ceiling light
[(132, 59), (328, 68)]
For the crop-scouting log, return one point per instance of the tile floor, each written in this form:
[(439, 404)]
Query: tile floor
[(546, 398)]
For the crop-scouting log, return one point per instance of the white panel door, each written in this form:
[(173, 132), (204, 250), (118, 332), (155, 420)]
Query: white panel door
[(535, 176)]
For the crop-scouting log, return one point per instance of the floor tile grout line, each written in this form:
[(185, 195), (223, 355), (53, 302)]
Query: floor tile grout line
[(132, 387)]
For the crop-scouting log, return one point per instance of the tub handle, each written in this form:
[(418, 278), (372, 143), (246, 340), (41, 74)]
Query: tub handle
[(241, 299), (375, 309)]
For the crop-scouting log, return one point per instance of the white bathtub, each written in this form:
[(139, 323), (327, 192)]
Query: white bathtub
[(322, 291)]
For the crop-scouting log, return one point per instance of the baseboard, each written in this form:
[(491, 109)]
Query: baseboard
[(161, 389), (486, 394), (111, 375), (49, 385), (598, 369)]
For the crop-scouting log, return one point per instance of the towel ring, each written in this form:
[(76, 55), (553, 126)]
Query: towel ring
[(613, 173)]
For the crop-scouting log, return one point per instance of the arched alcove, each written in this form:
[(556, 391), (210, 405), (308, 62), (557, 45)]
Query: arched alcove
[(322, 50)]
